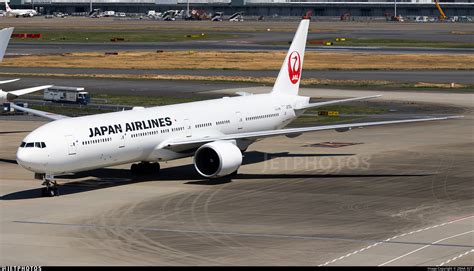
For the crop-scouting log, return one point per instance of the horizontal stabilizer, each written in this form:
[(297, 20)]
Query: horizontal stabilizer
[(335, 102)]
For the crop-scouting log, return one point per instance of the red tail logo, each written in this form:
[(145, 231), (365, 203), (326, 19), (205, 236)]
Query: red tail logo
[(294, 67)]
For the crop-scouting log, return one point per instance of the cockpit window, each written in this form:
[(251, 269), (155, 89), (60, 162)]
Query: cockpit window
[(40, 145)]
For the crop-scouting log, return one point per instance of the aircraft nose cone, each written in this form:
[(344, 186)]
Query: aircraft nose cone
[(29, 160)]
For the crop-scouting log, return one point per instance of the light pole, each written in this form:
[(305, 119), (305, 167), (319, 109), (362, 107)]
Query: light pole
[(395, 12), (187, 9)]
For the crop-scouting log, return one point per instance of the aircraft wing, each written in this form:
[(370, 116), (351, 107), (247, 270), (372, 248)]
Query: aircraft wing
[(9, 81), (261, 134), (335, 102), (40, 113), (4, 39), (24, 91)]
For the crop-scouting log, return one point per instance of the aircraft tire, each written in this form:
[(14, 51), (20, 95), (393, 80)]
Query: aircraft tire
[(49, 192)]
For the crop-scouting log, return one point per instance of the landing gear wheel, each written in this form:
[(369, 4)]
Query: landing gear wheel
[(134, 169), (54, 191), (49, 192), (50, 189)]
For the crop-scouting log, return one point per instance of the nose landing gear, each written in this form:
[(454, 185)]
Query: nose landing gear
[(51, 187), (143, 168)]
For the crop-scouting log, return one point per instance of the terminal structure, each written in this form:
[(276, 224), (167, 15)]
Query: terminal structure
[(269, 8)]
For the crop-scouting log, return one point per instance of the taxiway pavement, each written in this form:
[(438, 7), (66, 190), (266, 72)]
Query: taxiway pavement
[(397, 195)]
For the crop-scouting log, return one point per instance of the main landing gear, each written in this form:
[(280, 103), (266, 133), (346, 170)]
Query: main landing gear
[(145, 168), (51, 187)]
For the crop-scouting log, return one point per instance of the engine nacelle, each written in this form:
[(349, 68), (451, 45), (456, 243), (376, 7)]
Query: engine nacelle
[(217, 159)]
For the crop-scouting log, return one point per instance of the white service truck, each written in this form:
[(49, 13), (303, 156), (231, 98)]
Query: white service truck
[(66, 95)]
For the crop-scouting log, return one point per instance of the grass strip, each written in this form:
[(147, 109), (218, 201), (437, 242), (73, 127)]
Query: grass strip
[(244, 61)]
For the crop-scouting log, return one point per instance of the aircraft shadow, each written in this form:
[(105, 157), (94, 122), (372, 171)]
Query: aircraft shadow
[(253, 157), (258, 176), (14, 132), (113, 177), (9, 161)]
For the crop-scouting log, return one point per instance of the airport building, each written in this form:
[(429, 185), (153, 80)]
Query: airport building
[(268, 8)]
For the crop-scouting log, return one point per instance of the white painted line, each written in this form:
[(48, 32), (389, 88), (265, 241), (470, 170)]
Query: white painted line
[(394, 237), (423, 247), (457, 257)]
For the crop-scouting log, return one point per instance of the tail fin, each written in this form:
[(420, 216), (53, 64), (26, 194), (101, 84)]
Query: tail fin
[(4, 39), (7, 7), (288, 80)]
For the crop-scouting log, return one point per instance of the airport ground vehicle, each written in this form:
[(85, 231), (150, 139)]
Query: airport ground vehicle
[(7, 109), (237, 17), (421, 19), (61, 94), (108, 13), (217, 16), (442, 16)]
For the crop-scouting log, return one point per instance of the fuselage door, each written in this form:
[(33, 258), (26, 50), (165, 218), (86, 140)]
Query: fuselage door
[(288, 114), (71, 141), (122, 140), (240, 120), (187, 128)]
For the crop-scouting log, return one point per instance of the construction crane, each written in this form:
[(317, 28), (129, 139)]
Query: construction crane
[(442, 16)]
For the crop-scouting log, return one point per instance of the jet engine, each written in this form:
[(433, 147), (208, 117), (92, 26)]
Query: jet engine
[(217, 159)]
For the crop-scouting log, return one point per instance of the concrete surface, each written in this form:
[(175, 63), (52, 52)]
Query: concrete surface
[(403, 195)]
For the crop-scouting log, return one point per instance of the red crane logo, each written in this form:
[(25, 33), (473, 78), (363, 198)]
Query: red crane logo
[(294, 67)]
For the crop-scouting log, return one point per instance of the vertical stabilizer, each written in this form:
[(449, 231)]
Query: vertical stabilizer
[(7, 7), (4, 39), (288, 80)]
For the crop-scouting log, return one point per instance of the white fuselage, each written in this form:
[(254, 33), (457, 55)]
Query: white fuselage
[(96, 141), (22, 12)]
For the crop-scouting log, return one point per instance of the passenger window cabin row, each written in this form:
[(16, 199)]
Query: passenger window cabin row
[(95, 141), (156, 132), (263, 116), (202, 125), (222, 122)]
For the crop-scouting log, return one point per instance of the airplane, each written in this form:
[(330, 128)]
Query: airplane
[(19, 12), (5, 35), (215, 132)]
